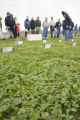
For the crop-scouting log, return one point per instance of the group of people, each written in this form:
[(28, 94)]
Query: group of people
[(34, 26), (12, 25), (55, 27)]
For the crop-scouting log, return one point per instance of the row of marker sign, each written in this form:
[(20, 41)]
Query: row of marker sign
[(10, 49)]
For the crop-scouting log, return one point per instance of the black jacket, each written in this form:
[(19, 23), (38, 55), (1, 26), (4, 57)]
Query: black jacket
[(32, 24), (58, 24), (8, 21), (71, 26)]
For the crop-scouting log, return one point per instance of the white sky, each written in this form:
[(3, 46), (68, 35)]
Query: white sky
[(42, 8)]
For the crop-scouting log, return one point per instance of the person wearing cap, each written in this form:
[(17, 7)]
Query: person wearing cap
[(27, 25), (45, 25), (38, 25), (52, 27)]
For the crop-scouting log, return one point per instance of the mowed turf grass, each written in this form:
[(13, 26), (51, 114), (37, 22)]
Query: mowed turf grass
[(38, 83)]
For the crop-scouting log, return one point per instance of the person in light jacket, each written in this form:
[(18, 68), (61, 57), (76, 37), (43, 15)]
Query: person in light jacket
[(45, 25)]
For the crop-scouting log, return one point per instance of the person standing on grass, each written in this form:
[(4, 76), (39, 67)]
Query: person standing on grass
[(38, 25), (52, 27), (1, 35), (27, 25), (13, 26), (71, 30), (75, 30), (45, 25), (66, 27), (79, 32), (9, 23), (32, 26), (58, 27), (18, 29), (63, 28)]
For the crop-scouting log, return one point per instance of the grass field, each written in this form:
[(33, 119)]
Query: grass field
[(38, 83)]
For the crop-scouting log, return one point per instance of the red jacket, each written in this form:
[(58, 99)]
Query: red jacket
[(18, 28)]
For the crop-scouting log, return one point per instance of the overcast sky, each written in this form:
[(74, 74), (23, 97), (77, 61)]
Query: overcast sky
[(42, 8)]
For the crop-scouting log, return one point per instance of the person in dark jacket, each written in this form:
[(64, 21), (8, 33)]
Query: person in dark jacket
[(1, 34), (13, 26), (1, 23), (10, 24), (66, 27), (58, 27), (38, 25), (26, 25), (32, 25), (38, 22), (71, 30), (63, 27)]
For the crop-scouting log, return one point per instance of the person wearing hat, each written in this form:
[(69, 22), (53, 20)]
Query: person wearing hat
[(66, 26), (52, 27)]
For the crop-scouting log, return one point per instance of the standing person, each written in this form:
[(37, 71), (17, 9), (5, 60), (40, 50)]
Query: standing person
[(32, 26), (52, 27), (63, 28), (0, 23), (58, 27), (18, 29), (27, 25), (45, 27), (38, 25), (15, 19), (66, 26), (71, 30), (75, 30), (10, 24), (13, 22), (79, 32), (1, 35)]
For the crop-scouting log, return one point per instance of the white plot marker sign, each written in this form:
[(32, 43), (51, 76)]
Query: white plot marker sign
[(72, 40), (34, 37), (7, 49), (47, 45), (19, 42), (44, 41), (74, 44), (60, 41)]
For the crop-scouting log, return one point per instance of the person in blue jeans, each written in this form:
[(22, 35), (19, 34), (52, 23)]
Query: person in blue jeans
[(26, 25), (45, 27), (58, 26), (71, 30), (66, 27)]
